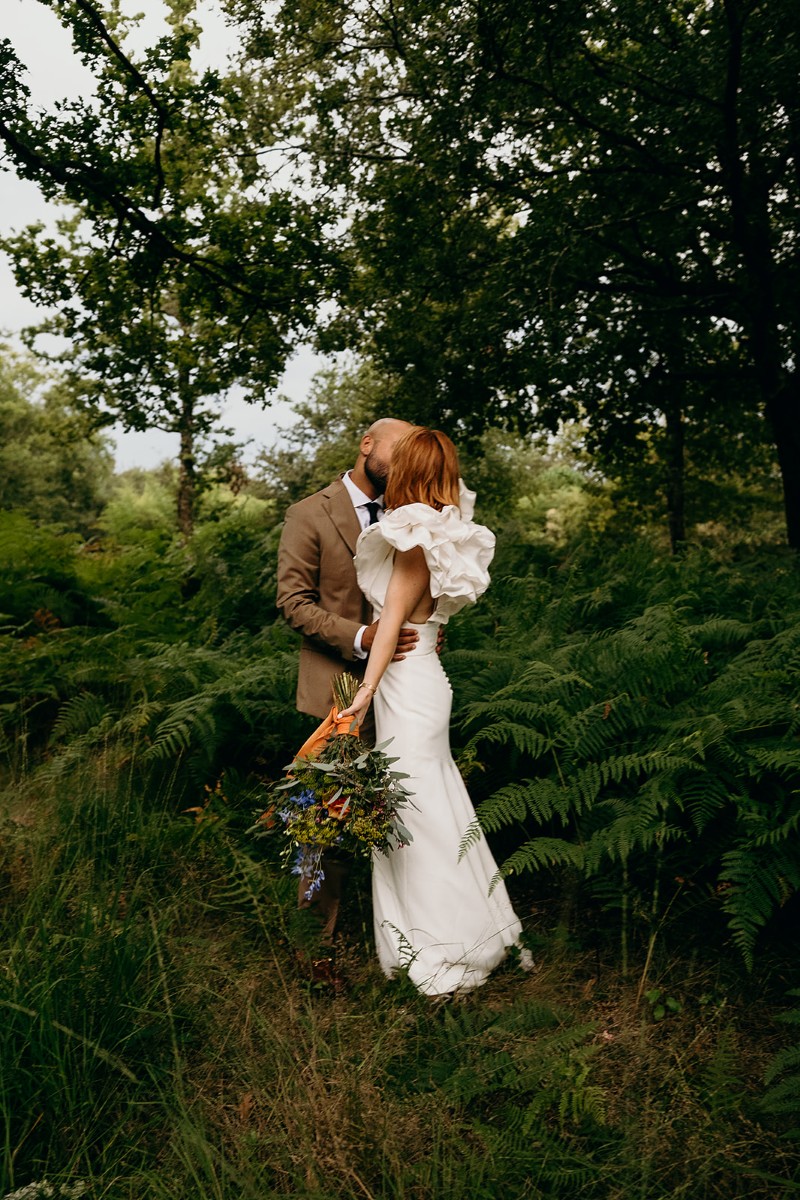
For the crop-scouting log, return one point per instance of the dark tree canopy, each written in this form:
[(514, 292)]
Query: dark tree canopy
[(561, 210), (526, 213)]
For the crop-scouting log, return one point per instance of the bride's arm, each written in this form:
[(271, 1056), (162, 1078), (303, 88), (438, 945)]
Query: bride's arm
[(409, 583)]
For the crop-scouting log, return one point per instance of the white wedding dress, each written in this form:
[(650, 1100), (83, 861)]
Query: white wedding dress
[(433, 914)]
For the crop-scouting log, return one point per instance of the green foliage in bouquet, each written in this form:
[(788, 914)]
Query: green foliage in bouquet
[(346, 797)]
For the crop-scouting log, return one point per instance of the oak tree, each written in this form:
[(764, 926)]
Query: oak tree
[(182, 268)]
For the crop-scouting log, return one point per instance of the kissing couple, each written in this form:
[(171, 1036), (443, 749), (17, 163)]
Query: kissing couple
[(370, 570)]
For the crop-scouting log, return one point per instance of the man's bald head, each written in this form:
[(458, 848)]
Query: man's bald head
[(375, 454), (389, 427)]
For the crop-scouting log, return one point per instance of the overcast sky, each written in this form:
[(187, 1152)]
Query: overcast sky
[(54, 73)]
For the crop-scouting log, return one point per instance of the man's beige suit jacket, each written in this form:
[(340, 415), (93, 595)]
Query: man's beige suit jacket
[(318, 593)]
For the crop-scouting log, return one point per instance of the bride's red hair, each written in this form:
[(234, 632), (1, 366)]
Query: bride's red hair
[(424, 469)]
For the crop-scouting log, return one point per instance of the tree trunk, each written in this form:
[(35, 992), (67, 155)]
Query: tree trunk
[(783, 413), (676, 474), (186, 475), (748, 191)]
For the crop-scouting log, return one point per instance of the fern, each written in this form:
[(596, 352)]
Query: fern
[(782, 1075), (541, 852), (78, 714), (665, 739), (756, 881), (627, 718), (187, 721)]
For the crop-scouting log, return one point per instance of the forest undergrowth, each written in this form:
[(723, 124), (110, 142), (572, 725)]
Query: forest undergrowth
[(628, 726), (160, 1040)]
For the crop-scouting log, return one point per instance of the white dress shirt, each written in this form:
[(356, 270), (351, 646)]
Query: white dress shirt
[(360, 501)]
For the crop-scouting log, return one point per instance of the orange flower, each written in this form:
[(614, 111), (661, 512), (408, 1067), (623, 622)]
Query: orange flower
[(336, 808)]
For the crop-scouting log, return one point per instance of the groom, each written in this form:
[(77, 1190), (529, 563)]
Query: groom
[(319, 596)]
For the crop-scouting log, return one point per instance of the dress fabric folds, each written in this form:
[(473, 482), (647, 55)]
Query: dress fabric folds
[(434, 915)]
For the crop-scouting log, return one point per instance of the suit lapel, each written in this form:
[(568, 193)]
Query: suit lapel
[(343, 515)]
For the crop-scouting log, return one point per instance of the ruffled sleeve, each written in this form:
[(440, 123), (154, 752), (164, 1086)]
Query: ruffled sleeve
[(457, 552)]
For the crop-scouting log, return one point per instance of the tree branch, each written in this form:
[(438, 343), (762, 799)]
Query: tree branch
[(98, 24), (79, 184)]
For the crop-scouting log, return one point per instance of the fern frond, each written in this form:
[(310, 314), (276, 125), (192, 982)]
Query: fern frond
[(186, 721), (780, 760), (522, 737), (471, 837), (778, 834), (703, 795), (631, 831), (755, 884), (720, 632), (541, 798), (79, 714), (540, 852)]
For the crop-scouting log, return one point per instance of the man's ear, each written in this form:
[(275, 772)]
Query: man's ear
[(366, 445)]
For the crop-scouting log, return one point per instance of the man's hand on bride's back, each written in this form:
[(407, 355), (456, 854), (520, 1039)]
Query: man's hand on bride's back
[(406, 641)]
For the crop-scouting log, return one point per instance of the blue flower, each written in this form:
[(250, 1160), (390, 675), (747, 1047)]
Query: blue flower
[(304, 799), (308, 865)]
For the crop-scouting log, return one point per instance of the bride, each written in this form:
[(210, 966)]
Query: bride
[(433, 913)]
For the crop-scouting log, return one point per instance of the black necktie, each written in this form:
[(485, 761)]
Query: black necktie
[(373, 508)]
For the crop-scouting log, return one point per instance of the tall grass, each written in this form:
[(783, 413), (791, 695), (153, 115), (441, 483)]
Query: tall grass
[(158, 1039)]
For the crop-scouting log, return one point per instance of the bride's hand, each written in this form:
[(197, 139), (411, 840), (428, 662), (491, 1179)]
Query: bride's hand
[(360, 706)]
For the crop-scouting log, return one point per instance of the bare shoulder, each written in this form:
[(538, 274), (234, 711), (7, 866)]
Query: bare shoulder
[(411, 568), (412, 559)]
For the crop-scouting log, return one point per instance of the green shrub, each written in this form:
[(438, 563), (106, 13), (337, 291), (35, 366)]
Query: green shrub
[(638, 731)]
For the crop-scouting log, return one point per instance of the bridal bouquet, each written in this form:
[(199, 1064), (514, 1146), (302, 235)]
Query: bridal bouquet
[(337, 793)]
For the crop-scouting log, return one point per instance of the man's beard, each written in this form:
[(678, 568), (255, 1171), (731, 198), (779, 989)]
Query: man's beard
[(377, 472)]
